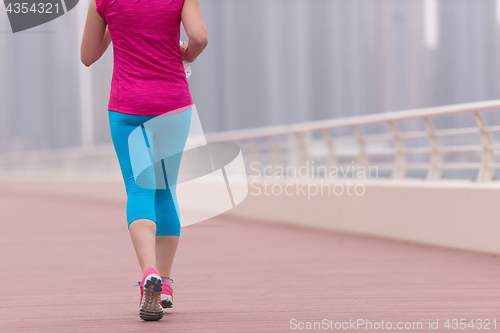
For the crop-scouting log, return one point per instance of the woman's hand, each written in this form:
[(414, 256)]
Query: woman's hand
[(184, 46)]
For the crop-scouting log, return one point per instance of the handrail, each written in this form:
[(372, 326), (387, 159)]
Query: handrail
[(435, 149), (351, 121), (299, 144)]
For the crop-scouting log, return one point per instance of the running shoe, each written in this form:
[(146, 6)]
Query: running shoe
[(167, 293), (151, 287)]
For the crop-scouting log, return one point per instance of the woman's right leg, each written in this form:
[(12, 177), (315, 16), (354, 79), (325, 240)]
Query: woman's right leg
[(169, 140), (165, 252), (170, 136)]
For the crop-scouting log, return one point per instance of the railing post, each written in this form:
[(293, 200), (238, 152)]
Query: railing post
[(487, 153), (399, 171), (299, 148), (277, 160), (434, 172), (254, 151), (363, 151), (71, 163), (332, 158)]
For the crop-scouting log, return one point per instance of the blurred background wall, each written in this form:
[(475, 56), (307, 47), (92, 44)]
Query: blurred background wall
[(268, 62)]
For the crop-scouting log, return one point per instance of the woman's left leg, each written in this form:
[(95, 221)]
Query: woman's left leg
[(143, 234), (141, 217)]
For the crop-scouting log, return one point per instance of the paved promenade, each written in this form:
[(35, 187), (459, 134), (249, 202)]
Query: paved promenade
[(68, 265)]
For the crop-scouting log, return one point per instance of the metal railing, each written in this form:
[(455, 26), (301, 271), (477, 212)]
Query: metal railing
[(94, 161), (360, 141), (456, 141)]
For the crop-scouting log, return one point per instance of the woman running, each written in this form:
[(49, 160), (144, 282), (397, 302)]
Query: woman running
[(148, 80)]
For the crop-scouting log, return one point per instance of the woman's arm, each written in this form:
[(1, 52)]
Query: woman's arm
[(195, 30), (96, 37)]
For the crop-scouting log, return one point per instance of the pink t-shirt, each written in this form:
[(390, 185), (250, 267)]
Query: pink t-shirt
[(148, 74)]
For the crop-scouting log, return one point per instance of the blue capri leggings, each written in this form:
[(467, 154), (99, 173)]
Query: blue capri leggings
[(158, 204)]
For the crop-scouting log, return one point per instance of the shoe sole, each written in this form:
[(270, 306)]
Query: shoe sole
[(151, 309), (166, 301)]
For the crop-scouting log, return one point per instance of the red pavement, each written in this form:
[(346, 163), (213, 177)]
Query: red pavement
[(69, 266)]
